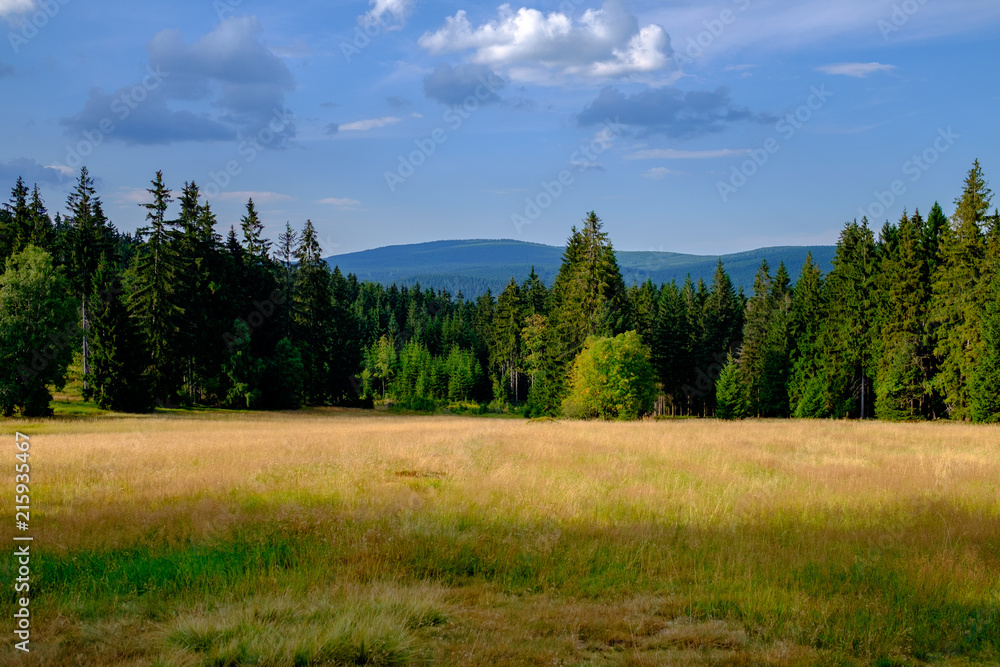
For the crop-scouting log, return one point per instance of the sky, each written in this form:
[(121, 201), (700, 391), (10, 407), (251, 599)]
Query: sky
[(696, 127)]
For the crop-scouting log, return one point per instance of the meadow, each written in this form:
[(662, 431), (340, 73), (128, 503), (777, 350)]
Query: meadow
[(346, 537)]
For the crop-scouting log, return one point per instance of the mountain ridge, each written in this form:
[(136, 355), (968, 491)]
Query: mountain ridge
[(474, 265)]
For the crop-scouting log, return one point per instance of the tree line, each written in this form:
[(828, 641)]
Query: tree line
[(905, 326)]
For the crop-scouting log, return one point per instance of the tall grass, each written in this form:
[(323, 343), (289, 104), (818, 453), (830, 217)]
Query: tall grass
[(338, 537)]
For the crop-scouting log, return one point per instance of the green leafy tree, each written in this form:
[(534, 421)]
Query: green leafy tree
[(612, 378), (37, 317)]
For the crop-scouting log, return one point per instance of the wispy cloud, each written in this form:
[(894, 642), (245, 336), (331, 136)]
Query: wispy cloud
[(14, 7), (369, 124), (857, 70), (672, 154), (258, 196), (659, 173), (340, 203)]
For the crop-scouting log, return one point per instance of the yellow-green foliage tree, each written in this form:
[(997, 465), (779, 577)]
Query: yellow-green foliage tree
[(612, 378)]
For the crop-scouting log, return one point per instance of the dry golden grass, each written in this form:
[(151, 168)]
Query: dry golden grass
[(677, 542)]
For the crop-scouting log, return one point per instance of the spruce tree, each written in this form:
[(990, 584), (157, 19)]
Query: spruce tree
[(89, 242), (313, 317), (956, 303), (120, 358), (904, 295), (808, 311), (154, 298), (849, 329)]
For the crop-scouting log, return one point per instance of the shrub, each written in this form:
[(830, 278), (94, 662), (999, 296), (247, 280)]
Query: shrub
[(612, 378)]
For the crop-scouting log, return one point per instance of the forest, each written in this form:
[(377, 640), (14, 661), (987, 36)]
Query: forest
[(906, 326)]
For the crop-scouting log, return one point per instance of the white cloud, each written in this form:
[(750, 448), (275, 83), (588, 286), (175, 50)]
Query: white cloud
[(340, 203), (11, 7), (62, 169), (857, 70), (369, 124), (658, 173), (547, 48), (381, 10), (258, 196), (671, 154)]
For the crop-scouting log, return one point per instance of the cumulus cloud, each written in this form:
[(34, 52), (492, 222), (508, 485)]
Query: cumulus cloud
[(30, 170), (16, 7), (669, 111), (857, 70), (391, 14), (239, 83), (453, 85), (531, 46)]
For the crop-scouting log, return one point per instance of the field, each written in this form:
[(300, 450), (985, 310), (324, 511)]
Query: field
[(341, 537)]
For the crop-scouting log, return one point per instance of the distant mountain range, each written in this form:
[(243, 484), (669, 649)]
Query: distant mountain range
[(473, 266)]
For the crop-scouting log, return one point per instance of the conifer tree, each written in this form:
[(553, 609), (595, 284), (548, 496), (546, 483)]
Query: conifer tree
[(904, 294), (120, 358), (806, 316), (154, 299), (849, 329), (956, 303), (313, 313), (89, 244)]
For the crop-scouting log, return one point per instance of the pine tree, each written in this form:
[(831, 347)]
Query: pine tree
[(313, 316), (120, 358), (19, 227), (153, 299), (671, 344), (849, 329), (254, 242), (956, 303), (731, 396), (904, 295), (89, 242), (506, 354), (753, 353), (808, 311), (984, 390)]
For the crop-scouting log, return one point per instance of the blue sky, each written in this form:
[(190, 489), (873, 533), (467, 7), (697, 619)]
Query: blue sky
[(704, 127)]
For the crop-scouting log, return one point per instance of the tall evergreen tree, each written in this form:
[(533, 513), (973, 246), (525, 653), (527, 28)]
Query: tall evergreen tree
[(956, 304), (807, 314), (154, 298), (313, 316), (120, 358), (849, 329), (89, 243)]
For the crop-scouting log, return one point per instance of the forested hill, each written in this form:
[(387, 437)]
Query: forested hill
[(473, 266)]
